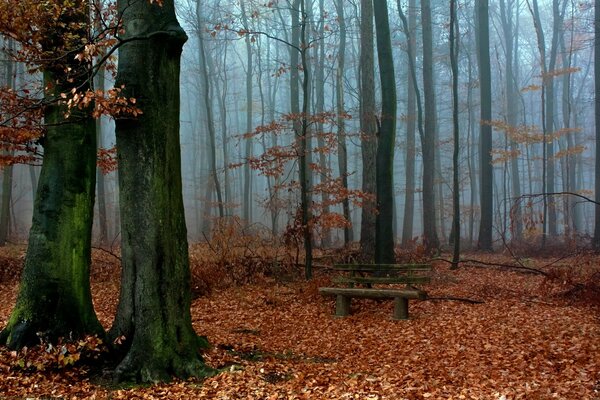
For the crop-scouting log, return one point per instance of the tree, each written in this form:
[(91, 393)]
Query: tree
[(409, 28), (154, 302), (511, 92), (368, 129), (247, 202), (430, 236), (487, 172), (7, 171), (54, 295), (341, 139), (596, 240), (456, 136), (384, 235), (206, 94)]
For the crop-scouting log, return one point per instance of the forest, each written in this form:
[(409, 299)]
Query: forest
[(217, 198)]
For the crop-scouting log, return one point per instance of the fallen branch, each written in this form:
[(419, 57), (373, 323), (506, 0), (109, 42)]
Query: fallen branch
[(520, 268), (470, 301)]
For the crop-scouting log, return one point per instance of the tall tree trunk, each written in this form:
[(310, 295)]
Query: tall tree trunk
[(384, 234), (341, 132), (319, 108), (204, 73), (487, 171), (7, 171), (430, 236), (544, 97), (368, 130), (511, 93), (54, 295), (409, 200), (100, 184), (456, 135), (247, 200), (550, 119), (154, 303), (596, 240)]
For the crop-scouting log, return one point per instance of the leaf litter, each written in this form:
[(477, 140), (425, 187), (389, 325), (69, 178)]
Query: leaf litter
[(531, 338)]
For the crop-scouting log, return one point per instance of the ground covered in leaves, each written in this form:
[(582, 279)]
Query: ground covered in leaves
[(532, 337)]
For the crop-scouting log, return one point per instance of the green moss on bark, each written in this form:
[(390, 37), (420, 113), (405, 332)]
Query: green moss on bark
[(54, 296)]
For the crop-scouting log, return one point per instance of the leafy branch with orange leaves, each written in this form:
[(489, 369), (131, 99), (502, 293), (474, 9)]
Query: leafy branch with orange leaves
[(70, 40)]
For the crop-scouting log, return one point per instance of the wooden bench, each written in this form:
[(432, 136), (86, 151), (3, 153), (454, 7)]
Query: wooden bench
[(377, 274)]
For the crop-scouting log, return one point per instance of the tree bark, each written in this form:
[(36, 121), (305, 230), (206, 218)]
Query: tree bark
[(430, 236), (487, 171), (7, 171), (511, 93), (456, 136), (596, 240), (368, 130), (409, 200), (341, 132), (206, 93), (154, 303), (100, 184), (247, 200), (54, 295), (384, 233)]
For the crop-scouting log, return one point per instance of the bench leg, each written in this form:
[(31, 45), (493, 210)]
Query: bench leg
[(400, 308), (342, 306)]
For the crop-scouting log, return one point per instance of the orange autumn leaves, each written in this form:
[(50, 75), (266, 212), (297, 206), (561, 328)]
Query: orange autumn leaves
[(55, 36)]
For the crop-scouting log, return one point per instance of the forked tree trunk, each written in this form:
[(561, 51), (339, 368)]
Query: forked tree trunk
[(54, 296), (154, 303)]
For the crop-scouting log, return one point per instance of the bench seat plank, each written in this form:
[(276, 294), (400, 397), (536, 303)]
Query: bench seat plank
[(375, 293), (402, 279)]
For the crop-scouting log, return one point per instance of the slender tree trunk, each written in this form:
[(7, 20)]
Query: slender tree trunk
[(384, 234), (456, 135), (320, 107), (409, 200), (247, 201), (209, 112), (430, 236), (154, 303), (341, 133), (511, 93), (54, 297), (368, 129), (7, 171), (100, 184), (596, 240), (487, 171)]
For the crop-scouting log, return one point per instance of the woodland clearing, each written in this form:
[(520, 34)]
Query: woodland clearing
[(533, 337)]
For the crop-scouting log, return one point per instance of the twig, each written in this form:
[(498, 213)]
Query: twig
[(107, 252)]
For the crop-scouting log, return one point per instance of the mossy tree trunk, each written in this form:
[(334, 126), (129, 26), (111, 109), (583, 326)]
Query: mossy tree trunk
[(154, 304), (54, 296)]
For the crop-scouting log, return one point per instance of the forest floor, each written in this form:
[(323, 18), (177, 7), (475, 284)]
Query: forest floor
[(532, 337)]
